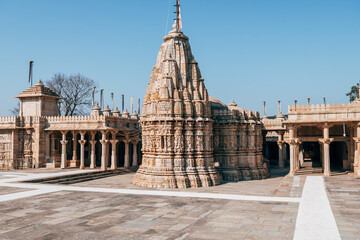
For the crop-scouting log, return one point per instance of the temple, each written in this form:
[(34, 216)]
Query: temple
[(184, 137), (191, 139)]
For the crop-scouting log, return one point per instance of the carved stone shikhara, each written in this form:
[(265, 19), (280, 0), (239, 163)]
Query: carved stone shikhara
[(190, 139)]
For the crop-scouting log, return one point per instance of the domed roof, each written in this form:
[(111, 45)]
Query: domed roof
[(217, 104)]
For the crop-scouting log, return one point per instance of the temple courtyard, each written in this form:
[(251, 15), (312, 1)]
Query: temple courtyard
[(280, 207)]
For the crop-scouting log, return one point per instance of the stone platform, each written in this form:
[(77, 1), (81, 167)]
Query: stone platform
[(112, 208)]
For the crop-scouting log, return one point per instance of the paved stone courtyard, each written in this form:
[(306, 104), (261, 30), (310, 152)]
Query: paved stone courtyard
[(112, 208)]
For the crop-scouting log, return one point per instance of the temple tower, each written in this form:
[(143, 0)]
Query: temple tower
[(176, 121)]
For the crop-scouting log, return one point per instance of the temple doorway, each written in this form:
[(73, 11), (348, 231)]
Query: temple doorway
[(338, 154), (312, 154)]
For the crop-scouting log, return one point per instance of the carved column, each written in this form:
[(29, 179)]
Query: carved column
[(47, 147), (326, 153), (113, 151), (93, 153), (103, 142), (280, 143), (63, 149), (357, 151), (127, 157), (351, 147), (74, 161), (135, 156), (52, 154), (82, 149), (293, 142)]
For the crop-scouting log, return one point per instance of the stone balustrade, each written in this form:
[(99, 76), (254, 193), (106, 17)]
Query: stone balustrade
[(321, 108), (273, 124), (8, 119), (333, 112)]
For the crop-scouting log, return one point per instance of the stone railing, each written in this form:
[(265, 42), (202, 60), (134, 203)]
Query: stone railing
[(322, 108), (9, 119), (273, 124), (333, 112), (54, 119)]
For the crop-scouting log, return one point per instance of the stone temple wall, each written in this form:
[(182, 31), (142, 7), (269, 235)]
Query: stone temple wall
[(238, 143)]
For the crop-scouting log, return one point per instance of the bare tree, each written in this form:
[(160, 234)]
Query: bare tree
[(16, 110), (75, 91)]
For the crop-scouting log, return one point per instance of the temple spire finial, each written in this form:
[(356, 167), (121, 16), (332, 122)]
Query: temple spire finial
[(178, 22)]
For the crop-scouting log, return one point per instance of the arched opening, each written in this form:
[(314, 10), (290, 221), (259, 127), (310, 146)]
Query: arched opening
[(98, 150), (69, 147), (311, 154), (272, 153), (87, 150), (338, 155), (121, 154)]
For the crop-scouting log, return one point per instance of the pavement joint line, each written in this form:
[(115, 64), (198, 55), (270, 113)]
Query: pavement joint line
[(315, 219), (31, 193), (48, 187)]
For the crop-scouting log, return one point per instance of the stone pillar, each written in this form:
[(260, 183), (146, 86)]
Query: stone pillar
[(74, 161), (47, 147), (52, 154), (93, 153), (326, 149), (127, 157), (293, 142), (82, 149), (298, 156), (280, 143), (357, 151), (103, 142), (350, 148), (113, 151), (292, 160), (63, 149), (107, 153), (135, 156)]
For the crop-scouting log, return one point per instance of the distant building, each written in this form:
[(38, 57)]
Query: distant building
[(325, 137), (39, 137)]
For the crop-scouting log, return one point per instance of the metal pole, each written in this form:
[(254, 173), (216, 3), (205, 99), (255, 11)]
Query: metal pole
[(93, 97), (132, 105), (123, 103), (139, 106), (279, 107), (31, 73), (264, 109), (101, 98), (112, 100)]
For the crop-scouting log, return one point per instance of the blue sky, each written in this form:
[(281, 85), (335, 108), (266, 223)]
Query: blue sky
[(248, 50)]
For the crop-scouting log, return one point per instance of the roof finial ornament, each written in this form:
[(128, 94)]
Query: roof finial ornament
[(178, 23)]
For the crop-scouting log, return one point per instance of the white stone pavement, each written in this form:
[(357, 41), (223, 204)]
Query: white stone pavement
[(315, 219)]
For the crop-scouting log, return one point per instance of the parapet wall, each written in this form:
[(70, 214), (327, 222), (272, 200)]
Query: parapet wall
[(333, 112)]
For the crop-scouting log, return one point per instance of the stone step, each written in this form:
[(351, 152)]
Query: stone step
[(74, 178), (80, 177)]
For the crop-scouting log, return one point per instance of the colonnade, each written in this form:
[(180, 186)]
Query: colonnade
[(105, 140), (295, 143)]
